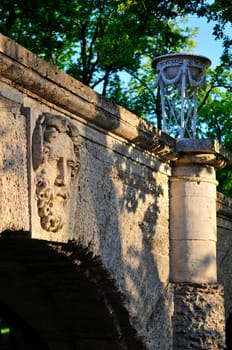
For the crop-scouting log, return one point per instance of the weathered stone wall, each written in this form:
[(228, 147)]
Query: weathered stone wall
[(198, 317), (119, 204), (224, 252), (14, 205), (118, 200), (118, 213)]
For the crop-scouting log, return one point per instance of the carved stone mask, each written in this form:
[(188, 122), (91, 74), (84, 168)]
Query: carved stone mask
[(55, 160)]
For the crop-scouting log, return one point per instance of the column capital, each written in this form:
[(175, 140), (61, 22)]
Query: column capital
[(204, 152)]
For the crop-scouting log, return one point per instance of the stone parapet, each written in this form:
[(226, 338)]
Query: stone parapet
[(97, 175), (27, 71), (116, 200)]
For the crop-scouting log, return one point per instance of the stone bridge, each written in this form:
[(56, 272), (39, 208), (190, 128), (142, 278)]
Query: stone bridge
[(112, 234)]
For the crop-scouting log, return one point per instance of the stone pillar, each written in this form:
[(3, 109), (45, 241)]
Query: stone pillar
[(193, 223), (198, 321)]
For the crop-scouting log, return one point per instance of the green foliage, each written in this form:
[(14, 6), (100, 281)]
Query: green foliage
[(215, 120), (93, 39), (220, 11), (42, 26), (104, 42), (139, 95)]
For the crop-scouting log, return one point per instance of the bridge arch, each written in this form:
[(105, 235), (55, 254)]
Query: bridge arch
[(60, 296)]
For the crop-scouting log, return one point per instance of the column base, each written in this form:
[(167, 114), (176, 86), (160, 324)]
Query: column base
[(198, 320)]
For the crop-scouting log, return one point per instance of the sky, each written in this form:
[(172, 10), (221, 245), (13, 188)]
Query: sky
[(206, 43)]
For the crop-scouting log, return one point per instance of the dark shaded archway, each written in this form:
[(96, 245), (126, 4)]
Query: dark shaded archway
[(229, 333), (18, 334), (59, 296)]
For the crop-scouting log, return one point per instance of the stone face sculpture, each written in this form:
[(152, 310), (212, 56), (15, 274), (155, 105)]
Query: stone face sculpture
[(55, 156)]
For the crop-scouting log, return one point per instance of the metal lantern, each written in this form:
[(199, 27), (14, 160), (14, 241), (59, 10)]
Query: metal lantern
[(179, 78)]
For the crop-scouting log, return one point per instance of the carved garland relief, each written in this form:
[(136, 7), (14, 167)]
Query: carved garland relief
[(55, 154)]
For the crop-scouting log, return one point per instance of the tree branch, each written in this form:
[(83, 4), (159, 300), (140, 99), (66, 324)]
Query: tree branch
[(205, 98)]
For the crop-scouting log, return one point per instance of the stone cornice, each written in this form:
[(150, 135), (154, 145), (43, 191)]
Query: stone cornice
[(204, 151), (28, 71)]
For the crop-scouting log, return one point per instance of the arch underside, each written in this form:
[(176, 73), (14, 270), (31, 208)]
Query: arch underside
[(57, 296)]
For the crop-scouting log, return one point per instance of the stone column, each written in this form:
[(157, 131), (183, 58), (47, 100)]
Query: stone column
[(198, 321), (193, 222)]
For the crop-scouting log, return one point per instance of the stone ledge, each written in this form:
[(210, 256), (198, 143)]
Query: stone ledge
[(224, 206), (26, 70)]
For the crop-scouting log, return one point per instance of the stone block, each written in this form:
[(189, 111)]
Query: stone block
[(193, 261)]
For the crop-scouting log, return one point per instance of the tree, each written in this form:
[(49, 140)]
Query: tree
[(215, 119), (97, 40), (220, 11), (94, 39)]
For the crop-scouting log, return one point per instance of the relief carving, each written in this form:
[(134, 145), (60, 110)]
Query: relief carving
[(55, 156)]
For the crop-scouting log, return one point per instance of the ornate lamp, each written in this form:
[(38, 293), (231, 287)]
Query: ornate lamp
[(179, 78)]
